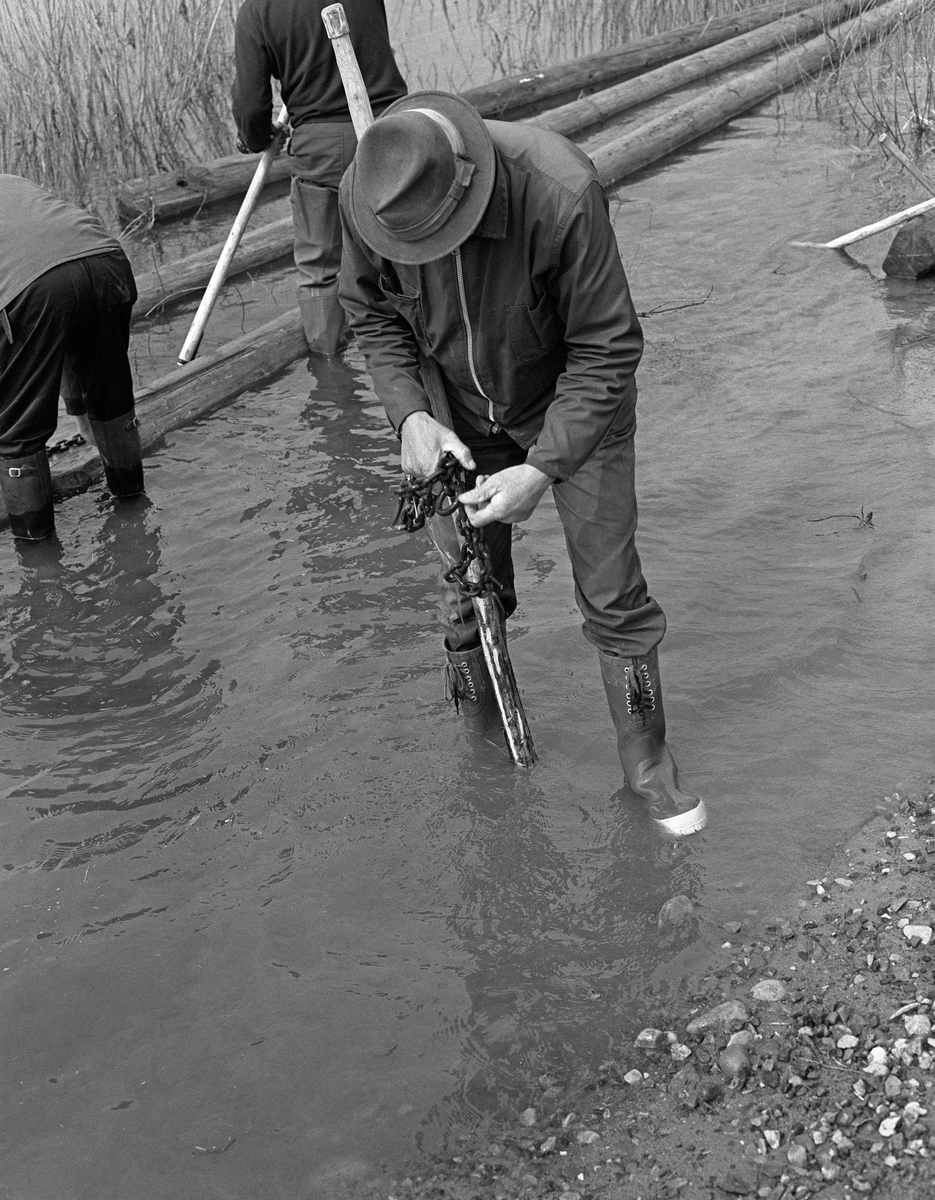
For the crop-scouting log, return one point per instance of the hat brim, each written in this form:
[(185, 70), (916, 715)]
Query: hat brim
[(478, 147)]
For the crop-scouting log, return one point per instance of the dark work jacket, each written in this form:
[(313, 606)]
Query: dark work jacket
[(530, 319), (38, 231), (286, 40)]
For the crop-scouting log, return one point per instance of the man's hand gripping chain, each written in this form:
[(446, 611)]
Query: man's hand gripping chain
[(436, 495)]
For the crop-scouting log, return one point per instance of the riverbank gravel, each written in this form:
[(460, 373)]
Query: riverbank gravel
[(802, 1067)]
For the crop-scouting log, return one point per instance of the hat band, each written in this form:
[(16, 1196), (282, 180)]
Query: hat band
[(464, 169)]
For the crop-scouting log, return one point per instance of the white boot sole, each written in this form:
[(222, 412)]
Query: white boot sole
[(683, 824)]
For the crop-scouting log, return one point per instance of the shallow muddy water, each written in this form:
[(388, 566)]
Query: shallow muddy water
[(270, 920)]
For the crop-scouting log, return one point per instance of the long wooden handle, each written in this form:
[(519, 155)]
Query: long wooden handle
[(219, 275), (354, 87), (486, 609), (858, 235)]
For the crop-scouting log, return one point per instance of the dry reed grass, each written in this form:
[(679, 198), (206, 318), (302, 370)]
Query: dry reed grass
[(95, 91), (890, 88)]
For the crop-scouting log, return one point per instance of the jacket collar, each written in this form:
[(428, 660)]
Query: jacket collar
[(493, 222)]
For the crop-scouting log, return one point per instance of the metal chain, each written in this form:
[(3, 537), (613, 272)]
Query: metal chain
[(64, 444), (423, 497)]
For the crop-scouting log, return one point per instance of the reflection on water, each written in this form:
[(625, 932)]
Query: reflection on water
[(263, 896), (88, 659)]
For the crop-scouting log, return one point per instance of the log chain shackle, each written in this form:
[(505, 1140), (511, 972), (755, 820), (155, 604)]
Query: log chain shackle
[(423, 497)]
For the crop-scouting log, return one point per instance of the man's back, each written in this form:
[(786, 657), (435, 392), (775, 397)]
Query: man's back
[(286, 40)]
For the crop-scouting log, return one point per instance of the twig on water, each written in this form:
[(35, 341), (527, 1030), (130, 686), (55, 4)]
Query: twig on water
[(864, 521), (667, 308)]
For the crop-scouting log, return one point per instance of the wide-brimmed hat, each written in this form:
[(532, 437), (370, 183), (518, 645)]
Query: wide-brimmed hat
[(422, 177)]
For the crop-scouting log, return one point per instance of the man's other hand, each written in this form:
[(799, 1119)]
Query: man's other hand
[(510, 495), (245, 149), (425, 441)]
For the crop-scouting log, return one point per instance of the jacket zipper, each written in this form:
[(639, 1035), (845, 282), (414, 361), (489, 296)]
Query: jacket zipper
[(462, 296)]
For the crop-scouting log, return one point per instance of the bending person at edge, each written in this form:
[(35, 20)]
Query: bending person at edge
[(66, 295), (487, 247)]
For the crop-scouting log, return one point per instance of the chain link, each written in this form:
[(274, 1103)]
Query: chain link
[(423, 497), (64, 444)]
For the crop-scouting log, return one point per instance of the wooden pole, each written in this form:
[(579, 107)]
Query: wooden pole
[(358, 101), (486, 608), (443, 533), (213, 290), (858, 235)]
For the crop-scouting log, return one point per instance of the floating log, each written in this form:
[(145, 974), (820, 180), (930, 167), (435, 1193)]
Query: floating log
[(176, 193), (912, 253), (658, 138), (521, 94), (570, 119), (176, 281), (190, 393)]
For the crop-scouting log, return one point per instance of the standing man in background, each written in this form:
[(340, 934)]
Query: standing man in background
[(286, 40), (66, 294)]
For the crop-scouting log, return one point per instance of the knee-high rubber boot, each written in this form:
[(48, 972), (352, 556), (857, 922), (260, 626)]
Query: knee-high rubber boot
[(634, 694), (26, 484), (467, 683), (324, 321), (118, 443)]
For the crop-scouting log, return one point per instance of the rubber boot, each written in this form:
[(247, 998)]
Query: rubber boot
[(26, 484), (634, 694), (324, 321), (118, 443), (467, 683)]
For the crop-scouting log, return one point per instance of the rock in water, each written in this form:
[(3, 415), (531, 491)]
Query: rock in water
[(674, 912), (912, 253)]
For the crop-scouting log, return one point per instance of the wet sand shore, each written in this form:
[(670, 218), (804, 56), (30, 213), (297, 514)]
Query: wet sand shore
[(801, 1066)]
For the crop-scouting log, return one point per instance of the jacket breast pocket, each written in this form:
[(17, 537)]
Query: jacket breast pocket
[(407, 302), (534, 332)]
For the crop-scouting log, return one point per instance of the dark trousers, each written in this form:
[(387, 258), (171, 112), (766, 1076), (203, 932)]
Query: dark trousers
[(597, 508), (71, 331), (321, 152)]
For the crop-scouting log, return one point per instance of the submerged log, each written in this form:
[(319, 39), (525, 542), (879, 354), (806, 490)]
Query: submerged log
[(912, 253), (570, 119), (175, 281), (176, 193), (191, 392), (656, 139)]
